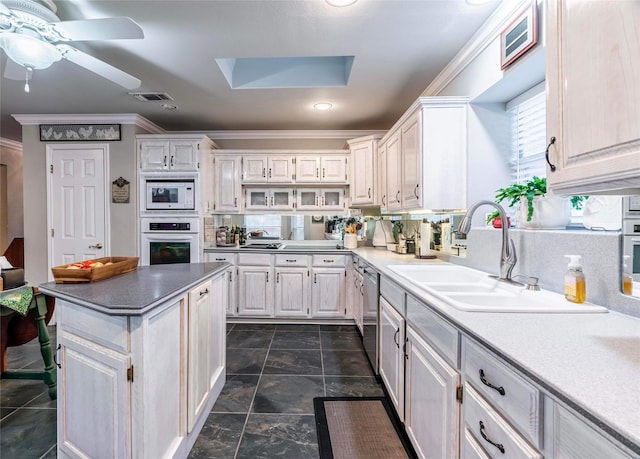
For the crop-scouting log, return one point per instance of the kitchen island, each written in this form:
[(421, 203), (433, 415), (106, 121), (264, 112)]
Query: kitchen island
[(141, 360)]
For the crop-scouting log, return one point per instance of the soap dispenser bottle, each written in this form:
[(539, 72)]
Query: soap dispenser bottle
[(627, 278), (575, 286)]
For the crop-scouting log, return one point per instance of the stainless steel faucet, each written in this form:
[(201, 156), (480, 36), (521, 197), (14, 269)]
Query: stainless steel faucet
[(508, 257)]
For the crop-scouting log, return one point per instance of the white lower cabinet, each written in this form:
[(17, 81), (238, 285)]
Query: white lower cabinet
[(231, 274), (327, 292), (391, 359), (292, 292), (255, 287), (432, 412), (140, 386)]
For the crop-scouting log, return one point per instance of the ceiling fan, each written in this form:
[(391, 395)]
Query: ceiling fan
[(34, 38)]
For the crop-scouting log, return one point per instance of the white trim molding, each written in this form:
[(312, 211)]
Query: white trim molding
[(110, 118), (289, 134), (489, 31), (11, 144)]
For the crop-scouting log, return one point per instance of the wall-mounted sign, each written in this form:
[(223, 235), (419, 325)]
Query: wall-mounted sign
[(120, 191), (519, 36), (79, 132)]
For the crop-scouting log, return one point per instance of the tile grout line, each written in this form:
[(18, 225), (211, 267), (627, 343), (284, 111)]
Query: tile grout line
[(246, 421)]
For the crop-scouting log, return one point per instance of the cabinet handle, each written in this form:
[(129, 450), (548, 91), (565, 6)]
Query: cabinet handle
[(263, 172), (267, 273), (315, 278), (165, 160), (277, 278), (552, 140), (323, 200), (487, 383), (395, 335), (269, 172), (316, 201), (488, 440), (266, 200), (415, 191), (362, 289), (204, 292), (323, 172), (272, 201), (290, 261), (235, 202), (171, 160), (230, 276), (55, 355), (317, 172), (369, 193), (398, 196), (221, 259), (328, 260), (384, 196)]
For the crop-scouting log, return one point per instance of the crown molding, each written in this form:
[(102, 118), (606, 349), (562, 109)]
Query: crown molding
[(12, 144), (110, 118), (490, 30), (289, 134)]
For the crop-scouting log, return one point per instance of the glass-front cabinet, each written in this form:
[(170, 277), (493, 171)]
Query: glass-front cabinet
[(269, 199)]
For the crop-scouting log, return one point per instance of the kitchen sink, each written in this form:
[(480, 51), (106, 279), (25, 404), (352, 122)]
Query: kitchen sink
[(470, 290)]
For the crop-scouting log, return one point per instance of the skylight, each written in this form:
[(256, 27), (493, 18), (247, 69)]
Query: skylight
[(286, 72)]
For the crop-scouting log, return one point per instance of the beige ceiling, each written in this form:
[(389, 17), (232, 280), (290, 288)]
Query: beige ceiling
[(399, 47)]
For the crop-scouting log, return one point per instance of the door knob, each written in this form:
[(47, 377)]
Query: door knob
[(97, 246)]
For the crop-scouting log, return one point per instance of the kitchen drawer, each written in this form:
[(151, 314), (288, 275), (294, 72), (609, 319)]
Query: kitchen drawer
[(491, 430), (434, 329), (292, 260), (470, 448), (330, 260), (222, 257), (109, 331), (510, 393), (254, 259), (393, 294)]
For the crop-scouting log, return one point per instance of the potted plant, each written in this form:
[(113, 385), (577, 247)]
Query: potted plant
[(535, 209)]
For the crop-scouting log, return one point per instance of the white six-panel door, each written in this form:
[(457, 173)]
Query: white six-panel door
[(76, 204)]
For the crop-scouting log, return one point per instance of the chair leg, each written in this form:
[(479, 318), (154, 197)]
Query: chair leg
[(49, 375)]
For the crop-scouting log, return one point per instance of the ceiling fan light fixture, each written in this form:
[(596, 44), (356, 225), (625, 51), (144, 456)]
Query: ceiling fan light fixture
[(28, 50), (322, 106)]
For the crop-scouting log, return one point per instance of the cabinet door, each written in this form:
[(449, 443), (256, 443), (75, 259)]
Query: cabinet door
[(307, 199), (280, 169), (257, 199), (154, 155), (383, 197), (411, 163), (232, 291), (432, 411), (281, 199), (362, 174), (184, 156), (254, 169), (200, 318), (327, 292), (332, 199), (292, 292), (593, 94), (307, 169), (227, 187), (87, 369), (334, 169), (392, 354), (394, 170), (255, 291)]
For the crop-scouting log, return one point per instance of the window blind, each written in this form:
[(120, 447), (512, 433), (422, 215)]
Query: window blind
[(528, 135)]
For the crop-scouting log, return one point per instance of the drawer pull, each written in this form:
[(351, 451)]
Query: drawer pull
[(394, 338), (221, 259), (487, 383), (328, 261), (291, 261), (497, 445), (204, 292)]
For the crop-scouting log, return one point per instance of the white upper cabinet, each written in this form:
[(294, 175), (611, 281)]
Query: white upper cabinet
[(280, 169), (227, 187), (322, 169), (254, 169), (593, 95), (364, 168), (426, 157), (267, 168), (172, 153)]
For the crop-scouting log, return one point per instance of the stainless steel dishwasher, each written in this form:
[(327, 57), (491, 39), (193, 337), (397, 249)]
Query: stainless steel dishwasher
[(371, 280)]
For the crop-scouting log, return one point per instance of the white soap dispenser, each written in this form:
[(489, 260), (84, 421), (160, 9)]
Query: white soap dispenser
[(575, 286)]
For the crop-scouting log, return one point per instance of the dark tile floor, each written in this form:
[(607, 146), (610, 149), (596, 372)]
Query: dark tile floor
[(265, 409)]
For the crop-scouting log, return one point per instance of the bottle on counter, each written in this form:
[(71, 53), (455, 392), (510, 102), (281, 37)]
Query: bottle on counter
[(575, 286), (627, 278)]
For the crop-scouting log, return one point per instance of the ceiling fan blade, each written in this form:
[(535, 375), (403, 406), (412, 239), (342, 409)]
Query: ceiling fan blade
[(4, 10), (99, 29), (14, 71), (99, 67)]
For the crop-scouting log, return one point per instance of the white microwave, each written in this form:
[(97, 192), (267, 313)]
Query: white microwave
[(170, 194)]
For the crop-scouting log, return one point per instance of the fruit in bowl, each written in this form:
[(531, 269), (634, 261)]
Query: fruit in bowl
[(88, 264)]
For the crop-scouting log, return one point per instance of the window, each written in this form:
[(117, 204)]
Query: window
[(297, 227), (270, 223)]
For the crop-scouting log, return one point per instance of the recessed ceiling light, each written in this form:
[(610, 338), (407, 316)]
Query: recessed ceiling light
[(341, 2), (170, 107), (322, 106)]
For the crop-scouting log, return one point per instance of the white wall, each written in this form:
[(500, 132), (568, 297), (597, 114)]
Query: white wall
[(11, 156)]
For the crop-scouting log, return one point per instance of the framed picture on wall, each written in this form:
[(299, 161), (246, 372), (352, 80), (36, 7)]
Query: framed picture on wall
[(317, 219), (520, 36)]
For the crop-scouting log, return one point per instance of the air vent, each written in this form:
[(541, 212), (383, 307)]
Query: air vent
[(151, 96)]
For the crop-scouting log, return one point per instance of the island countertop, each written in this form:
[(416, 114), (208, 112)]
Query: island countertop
[(136, 292)]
